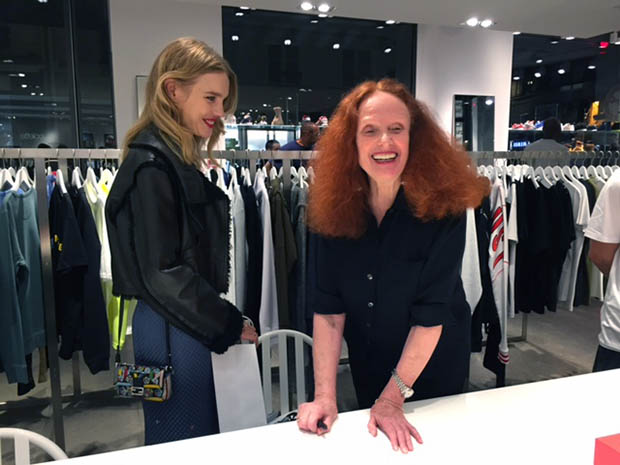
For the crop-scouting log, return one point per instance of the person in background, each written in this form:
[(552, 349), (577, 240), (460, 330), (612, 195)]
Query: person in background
[(604, 233), (388, 206), (160, 213), (272, 145), (550, 142), (309, 134)]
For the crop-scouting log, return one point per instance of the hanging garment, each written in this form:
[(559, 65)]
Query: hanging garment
[(582, 287), (23, 207), (498, 263), (470, 268), (513, 240), (13, 277), (299, 206), (241, 248), (285, 250), (596, 276), (253, 229), (268, 313)]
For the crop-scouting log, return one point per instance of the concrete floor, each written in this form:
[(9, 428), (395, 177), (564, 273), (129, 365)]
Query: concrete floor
[(558, 345)]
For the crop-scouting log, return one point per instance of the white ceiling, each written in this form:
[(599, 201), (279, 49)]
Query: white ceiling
[(579, 18)]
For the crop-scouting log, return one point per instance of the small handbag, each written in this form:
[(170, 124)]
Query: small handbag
[(152, 383)]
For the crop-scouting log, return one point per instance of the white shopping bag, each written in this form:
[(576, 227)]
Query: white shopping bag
[(238, 388)]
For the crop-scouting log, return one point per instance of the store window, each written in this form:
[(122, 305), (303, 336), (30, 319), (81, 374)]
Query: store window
[(576, 81), (303, 64), (55, 74)]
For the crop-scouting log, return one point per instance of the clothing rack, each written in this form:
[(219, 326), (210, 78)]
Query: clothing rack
[(42, 157)]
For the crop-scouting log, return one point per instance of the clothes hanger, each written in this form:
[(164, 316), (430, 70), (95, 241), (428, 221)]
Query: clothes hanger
[(76, 177), (529, 173), (60, 181), (273, 173), (542, 173), (576, 172)]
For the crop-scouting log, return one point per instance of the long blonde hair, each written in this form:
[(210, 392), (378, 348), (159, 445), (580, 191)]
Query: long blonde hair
[(184, 60)]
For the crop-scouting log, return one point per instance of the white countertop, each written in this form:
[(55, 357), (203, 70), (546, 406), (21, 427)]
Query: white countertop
[(549, 422)]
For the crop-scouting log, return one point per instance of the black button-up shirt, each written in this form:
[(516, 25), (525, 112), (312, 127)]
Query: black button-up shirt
[(400, 274)]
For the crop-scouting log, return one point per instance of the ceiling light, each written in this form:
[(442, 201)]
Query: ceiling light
[(33, 93), (41, 94), (591, 67), (554, 42), (472, 22), (244, 7), (234, 38), (287, 42), (537, 75), (322, 15), (290, 98), (390, 21), (42, 1), (387, 50), (24, 86), (380, 27), (314, 21), (569, 38), (336, 46), (324, 8), (489, 101), (8, 60), (21, 74), (539, 61), (529, 83), (239, 13), (306, 6), (264, 104), (486, 23), (516, 78), (516, 33), (561, 71)]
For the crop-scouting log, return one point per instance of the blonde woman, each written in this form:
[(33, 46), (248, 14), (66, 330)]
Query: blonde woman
[(168, 231)]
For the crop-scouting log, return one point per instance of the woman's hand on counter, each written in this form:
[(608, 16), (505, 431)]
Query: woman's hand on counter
[(317, 416), (388, 416)]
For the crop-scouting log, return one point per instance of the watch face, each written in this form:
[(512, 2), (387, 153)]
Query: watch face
[(408, 393)]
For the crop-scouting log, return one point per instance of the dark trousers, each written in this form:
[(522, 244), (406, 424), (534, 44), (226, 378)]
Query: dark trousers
[(606, 359)]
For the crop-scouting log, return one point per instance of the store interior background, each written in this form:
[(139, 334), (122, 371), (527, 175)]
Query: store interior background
[(116, 40)]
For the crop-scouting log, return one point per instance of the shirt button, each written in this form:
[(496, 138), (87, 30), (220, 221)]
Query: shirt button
[(370, 277), (371, 304)]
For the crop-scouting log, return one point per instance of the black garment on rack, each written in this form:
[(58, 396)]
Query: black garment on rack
[(485, 314), (582, 289), (255, 254), (94, 336)]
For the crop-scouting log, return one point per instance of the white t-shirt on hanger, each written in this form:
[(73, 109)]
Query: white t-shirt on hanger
[(604, 226)]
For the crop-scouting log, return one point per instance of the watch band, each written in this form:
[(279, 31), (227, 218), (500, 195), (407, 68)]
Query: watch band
[(405, 390)]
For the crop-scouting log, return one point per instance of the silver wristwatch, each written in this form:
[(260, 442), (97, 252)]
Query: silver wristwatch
[(405, 390)]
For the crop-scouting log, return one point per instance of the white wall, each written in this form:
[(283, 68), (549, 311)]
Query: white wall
[(464, 61), (139, 31)]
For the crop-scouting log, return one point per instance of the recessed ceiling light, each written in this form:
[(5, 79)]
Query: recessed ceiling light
[(306, 6), (7, 60), (516, 33), (41, 94), (472, 22), (561, 71), (324, 8), (390, 21), (387, 50), (24, 86), (244, 7), (537, 75), (42, 1), (489, 101), (539, 61), (569, 38), (591, 67), (239, 13), (21, 74), (234, 38), (314, 21), (554, 42), (33, 93), (287, 42), (516, 78), (380, 27), (486, 23), (264, 104), (322, 15), (336, 46), (290, 98)]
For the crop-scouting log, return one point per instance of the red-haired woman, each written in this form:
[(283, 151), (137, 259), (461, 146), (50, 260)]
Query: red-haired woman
[(389, 205)]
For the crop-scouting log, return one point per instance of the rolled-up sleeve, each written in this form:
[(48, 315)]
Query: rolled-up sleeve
[(323, 275), (440, 276)]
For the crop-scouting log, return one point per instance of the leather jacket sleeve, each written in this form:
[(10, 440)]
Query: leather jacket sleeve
[(175, 288)]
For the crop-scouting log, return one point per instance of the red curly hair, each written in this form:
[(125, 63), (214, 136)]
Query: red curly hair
[(439, 179)]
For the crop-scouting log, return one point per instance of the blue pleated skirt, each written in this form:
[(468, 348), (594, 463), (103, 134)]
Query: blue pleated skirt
[(191, 411)]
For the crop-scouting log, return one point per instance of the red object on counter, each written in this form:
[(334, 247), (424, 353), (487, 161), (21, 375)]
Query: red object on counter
[(607, 450)]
